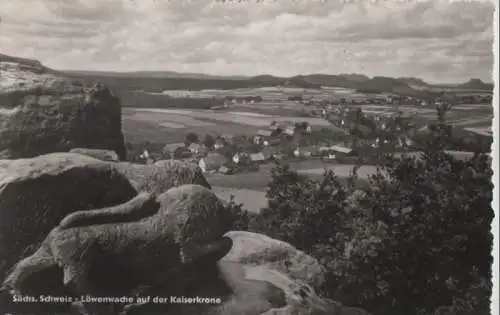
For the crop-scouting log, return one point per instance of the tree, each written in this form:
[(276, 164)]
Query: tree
[(416, 240), (209, 141), (192, 138)]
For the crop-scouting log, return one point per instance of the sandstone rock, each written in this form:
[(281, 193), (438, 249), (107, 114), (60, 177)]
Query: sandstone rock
[(47, 113), (162, 175), (113, 259), (36, 193), (103, 155), (258, 276)]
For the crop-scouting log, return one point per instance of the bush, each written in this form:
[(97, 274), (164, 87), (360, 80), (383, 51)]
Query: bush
[(239, 219), (415, 241)]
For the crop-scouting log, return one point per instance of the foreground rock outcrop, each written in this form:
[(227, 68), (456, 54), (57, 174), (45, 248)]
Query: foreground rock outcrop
[(103, 155), (257, 276), (118, 229), (257, 263), (36, 193), (42, 113), (95, 258), (162, 175)]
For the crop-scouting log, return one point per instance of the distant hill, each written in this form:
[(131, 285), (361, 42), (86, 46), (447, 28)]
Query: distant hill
[(416, 82), (476, 84), (155, 74), (159, 81)]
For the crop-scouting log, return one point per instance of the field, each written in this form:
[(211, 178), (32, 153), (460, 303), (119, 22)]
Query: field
[(172, 125), (250, 188)]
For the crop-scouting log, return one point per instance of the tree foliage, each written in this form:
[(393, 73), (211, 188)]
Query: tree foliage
[(209, 141), (415, 241), (192, 138)]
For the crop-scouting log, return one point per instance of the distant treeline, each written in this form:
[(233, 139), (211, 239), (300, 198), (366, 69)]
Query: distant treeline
[(157, 85), (143, 100)]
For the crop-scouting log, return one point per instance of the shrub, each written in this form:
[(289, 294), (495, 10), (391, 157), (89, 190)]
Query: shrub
[(415, 241)]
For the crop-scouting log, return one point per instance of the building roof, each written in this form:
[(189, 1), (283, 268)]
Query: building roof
[(171, 147), (215, 160), (257, 156), (308, 149), (336, 148), (265, 133), (194, 146)]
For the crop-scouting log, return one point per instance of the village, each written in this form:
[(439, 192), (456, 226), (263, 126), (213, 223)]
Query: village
[(355, 135)]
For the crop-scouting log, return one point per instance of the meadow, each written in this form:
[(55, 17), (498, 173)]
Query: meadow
[(169, 125)]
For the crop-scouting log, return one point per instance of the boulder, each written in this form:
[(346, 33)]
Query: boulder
[(162, 175), (103, 155), (258, 276), (114, 259), (48, 114), (36, 193)]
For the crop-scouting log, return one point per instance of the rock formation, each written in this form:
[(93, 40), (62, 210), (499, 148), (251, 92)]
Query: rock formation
[(258, 276), (103, 155), (95, 258), (42, 113), (36, 193), (162, 175)]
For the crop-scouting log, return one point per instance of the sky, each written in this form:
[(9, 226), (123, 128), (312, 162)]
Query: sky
[(439, 41)]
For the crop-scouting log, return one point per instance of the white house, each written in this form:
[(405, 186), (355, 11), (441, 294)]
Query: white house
[(257, 139), (194, 148), (236, 158), (219, 144), (290, 130), (203, 165), (145, 155)]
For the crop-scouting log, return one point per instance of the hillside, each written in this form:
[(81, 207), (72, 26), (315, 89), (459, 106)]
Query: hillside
[(476, 84), (159, 81)]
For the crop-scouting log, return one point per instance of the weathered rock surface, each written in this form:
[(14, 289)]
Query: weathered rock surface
[(103, 155), (41, 113), (162, 175), (258, 276), (95, 258), (35, 194)]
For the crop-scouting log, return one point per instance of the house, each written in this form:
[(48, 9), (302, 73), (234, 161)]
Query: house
[(273, 142), (335, 149), (305, 151), (170, 148), (257, 157), (308, 129), (219, 143), (228, 138), (145, 154), (289, 130), (194, 148), (239, 158), (257, 140), (271, 153), (236, 158), (212, 162), (265, 133), (274, 126)]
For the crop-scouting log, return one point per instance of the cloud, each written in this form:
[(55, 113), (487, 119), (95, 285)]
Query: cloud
[(436, 40)]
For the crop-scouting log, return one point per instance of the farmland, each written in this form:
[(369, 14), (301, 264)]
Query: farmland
[(169, 125), (172, 125)]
